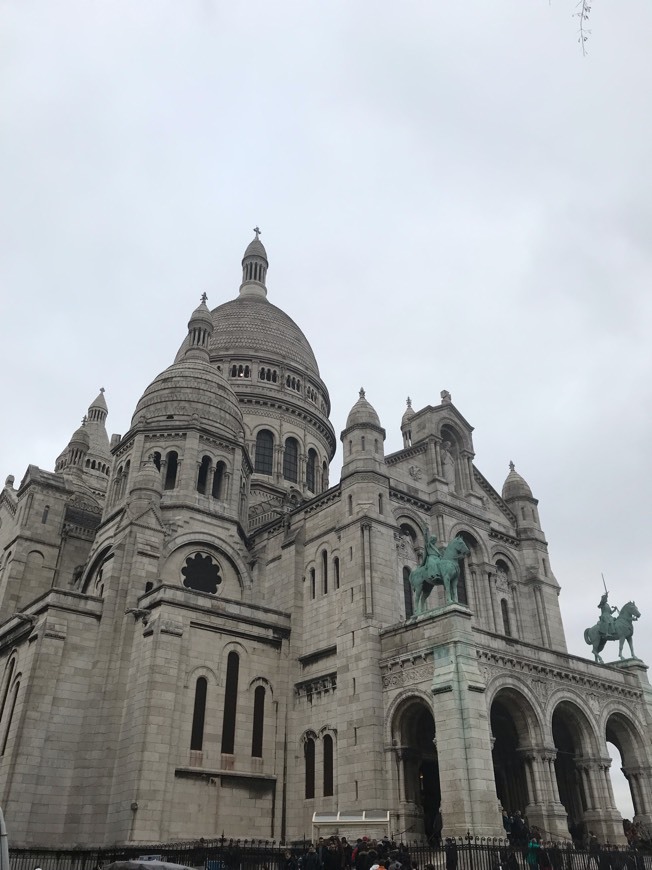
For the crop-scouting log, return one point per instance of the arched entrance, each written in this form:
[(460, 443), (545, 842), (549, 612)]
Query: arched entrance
[(509, 766), (571, 734), (622, 734), (417, 755)]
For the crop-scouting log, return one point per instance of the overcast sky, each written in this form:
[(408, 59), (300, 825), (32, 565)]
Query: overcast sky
[(451, 196)]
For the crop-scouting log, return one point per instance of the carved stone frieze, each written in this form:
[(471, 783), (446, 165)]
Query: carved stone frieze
[(543, 679), (407, 669)]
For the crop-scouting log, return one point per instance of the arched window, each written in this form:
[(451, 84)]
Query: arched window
[(313, 590), (327, 744), (505, 612), (324, 572), (324, 476), (311, 470), (291, 460), (362, 441), (309, 759), (199, 715), (466, 567), (157, 460), (171, 466), (350, 505), (259, 719), (44, 516), (202, 476), (336, 571), (218, 480), (7, 686), (380, 503), (407, 594), (230, 703), (264, 460), (14, 698)]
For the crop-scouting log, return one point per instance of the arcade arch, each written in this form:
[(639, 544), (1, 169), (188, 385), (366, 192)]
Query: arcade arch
[(413, 729), (574, 740), (622, 734), (515, 732)]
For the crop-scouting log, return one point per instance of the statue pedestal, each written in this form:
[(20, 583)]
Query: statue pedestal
[(466, 775), (636, 667)]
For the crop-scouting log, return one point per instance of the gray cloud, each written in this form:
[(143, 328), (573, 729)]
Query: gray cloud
[(451, 197)]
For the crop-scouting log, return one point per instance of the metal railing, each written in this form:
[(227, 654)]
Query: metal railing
[(473, 853)]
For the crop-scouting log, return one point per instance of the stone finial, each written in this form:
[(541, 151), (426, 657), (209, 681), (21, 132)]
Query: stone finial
[(362, 393), (512, 467), (258, 231), (10, 481), (409, 402), (446, 396), (204, 298), (101, 389), (84, 420)]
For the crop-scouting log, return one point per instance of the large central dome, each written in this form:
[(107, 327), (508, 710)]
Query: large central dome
[(252, 326)]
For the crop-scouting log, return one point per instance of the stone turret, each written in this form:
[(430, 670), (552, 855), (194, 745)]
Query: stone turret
[(363, 439), (254, 269), (518, 495), (406, 423)]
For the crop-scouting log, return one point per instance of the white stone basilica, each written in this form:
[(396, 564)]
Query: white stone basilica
[(201, 633)]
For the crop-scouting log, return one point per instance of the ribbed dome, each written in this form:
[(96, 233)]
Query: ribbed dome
[(188, 388), (515, 486), (255, 248), (80, 436), (250, 326), (100, 402), (363, 414), (201, 314)]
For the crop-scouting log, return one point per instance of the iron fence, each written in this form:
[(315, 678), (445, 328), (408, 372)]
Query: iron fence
[(473, 853)]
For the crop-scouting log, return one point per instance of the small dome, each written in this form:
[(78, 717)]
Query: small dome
[(81, 436), (362, 414), (255, 248), (409, 412), (100, 402), (515, 486), (148, 477), (201, 314), (191, 388)]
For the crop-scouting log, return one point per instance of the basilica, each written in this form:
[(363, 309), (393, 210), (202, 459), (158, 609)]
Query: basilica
[(202, 633)]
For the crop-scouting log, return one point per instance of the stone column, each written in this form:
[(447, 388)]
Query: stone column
[(366, 565), (639, 785), (466, 775), (601, 815), (438, 466)]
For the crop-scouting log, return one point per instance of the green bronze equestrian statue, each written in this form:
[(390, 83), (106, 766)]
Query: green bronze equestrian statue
[(608, 627), (437, 566)]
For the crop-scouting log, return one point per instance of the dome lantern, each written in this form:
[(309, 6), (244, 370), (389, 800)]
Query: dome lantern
[(254, 268), (200, 330)]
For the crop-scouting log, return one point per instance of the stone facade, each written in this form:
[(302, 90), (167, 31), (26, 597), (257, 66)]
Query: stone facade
[(200, 635)]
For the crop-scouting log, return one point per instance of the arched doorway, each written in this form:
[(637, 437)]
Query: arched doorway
[(571, 736), (509, 766), (623, 736), (417, 754)]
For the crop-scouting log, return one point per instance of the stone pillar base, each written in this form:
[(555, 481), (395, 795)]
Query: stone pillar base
[(607, 825), (410, 822)]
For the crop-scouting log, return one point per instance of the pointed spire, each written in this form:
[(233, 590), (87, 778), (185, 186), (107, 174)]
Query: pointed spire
[(407, 415), (254, 268)]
